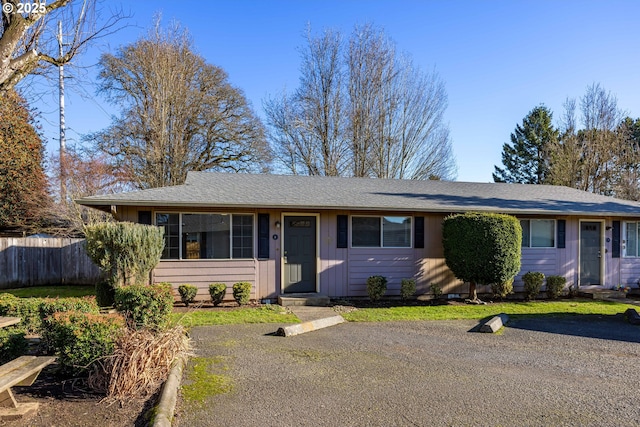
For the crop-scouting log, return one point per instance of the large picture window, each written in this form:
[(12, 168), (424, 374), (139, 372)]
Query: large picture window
[(538, 233), (206, 236), (385, 232), (631, 239)]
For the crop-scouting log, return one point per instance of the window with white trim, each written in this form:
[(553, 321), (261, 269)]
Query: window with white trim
[(630, 239), (381, 231), (538, 233), (206, 235)]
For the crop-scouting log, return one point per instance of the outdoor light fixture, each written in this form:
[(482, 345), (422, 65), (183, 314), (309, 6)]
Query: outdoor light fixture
[(277, 224)]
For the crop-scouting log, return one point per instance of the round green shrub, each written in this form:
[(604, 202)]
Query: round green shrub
[(187, 293), (555, 286), (532, 284), (217, 292), (376, 287), (146, 306), (482, 248), (242, 292), (501, 290), (80, 339), (407, 288), (12, 343), (27, 309)]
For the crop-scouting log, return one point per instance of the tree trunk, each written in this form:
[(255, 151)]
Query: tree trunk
[(473, 296)]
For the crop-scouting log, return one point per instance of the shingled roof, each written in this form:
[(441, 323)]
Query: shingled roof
[(291, 192)]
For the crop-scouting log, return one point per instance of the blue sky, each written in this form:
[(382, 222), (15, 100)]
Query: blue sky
[(498, 59)]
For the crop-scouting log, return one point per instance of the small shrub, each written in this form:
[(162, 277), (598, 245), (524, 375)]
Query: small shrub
[(187, 293), (242, 292), (407, 288), (436, 290), (501, 290), (50, 306), (376, 287), (79, 339), (555, 286), (12, 343), (532, 284), (105, 293), (34, 311), (217, 292), (573, 292), (28, 309), (146, 306)]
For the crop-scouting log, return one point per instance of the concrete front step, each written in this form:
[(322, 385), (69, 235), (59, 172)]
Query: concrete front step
[(601, 294), (314, 299)]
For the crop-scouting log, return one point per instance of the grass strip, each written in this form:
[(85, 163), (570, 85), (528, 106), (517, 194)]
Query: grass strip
[(273, 314), (477, 312)]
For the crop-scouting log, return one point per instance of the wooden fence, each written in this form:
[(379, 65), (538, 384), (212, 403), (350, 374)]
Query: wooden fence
[(44, 261)]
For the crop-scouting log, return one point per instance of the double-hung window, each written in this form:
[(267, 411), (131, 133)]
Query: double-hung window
[(538, 233), (206, 236), (381, 231), (631, 239)]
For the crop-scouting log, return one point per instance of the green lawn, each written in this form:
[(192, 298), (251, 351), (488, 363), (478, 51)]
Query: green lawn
[(60, 291), (272, 314), (477, 312)]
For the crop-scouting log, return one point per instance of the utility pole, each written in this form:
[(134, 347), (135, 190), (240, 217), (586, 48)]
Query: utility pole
[(63, 141)]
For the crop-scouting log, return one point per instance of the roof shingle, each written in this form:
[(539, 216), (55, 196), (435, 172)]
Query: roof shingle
[(314, 192)]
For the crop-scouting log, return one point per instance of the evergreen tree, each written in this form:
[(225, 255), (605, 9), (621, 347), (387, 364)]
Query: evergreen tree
[(23, 184), (526, 160)]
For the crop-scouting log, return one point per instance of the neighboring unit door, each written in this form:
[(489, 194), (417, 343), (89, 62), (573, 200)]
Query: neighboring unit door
[(590, 253), (299, 256)]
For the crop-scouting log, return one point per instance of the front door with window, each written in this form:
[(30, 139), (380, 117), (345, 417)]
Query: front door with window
[(590, 253), (299, 255)]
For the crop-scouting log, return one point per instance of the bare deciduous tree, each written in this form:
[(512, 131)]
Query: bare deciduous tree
[(28, 34), (178, 113), (362, 110), (307, 128), (602, 157), (92, 175)]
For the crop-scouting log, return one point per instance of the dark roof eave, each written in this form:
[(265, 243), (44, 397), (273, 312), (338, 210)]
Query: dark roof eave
[(105, 205)]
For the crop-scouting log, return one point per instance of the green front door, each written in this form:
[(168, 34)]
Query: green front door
[(299, 256)]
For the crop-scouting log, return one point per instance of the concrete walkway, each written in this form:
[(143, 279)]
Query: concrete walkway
[(307, 313)]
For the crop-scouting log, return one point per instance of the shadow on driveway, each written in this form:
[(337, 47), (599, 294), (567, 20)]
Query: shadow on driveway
[(608, 327)]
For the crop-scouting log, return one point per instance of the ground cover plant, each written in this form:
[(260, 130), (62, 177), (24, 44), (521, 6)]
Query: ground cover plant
[(478, 312)]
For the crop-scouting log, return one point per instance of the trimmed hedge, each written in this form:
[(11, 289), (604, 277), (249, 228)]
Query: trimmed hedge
[(125, 251), (555, 286), (407, 288), (242, 292), (35, 311), (12, 343), (532, 284), (376, 287), (217, 292), (80, 339), (501, 290), (187, 293), (146, 306), (482, 248)]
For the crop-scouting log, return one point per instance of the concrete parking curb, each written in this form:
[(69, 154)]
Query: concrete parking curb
[(301, 328), (495, 323), (167, 403)]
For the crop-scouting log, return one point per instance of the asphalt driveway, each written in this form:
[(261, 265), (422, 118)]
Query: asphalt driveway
[(580, 371)]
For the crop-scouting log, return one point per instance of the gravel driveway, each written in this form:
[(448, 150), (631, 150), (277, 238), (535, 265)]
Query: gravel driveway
[(579, 371)]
